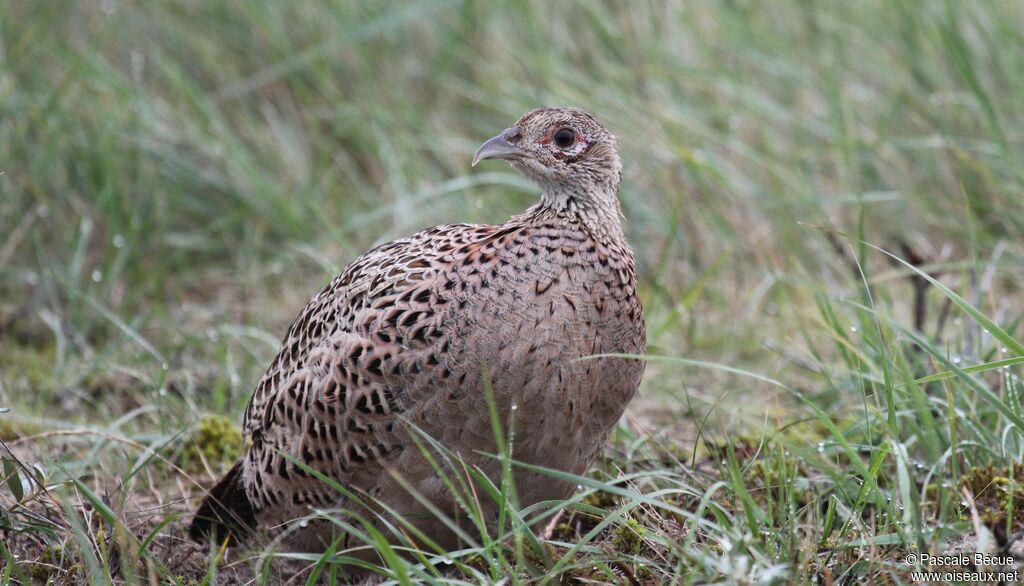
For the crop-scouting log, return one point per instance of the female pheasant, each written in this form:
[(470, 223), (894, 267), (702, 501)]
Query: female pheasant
[(411, 334)]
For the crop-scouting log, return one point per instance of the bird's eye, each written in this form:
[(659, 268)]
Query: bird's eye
[(564, 138)]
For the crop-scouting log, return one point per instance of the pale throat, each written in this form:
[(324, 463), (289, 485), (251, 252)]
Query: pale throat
[(594, 205)]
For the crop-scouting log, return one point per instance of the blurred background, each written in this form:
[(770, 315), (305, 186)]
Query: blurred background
[(178, 177)]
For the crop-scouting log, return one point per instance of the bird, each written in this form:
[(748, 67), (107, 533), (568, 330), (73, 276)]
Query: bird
[(537, 318)]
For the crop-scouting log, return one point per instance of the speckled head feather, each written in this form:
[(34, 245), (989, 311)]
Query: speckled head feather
[(574, 160), (569, 151)]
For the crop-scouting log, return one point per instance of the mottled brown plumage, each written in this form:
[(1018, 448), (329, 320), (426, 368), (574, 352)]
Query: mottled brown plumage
[(409, 331)]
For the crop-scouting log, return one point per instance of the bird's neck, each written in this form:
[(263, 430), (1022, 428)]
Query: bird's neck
[(594, 208)]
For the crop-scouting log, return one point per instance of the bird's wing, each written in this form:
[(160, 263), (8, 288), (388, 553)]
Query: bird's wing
[(346, 368)]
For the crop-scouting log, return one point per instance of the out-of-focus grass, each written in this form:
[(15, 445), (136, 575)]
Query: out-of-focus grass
[(178, 177)]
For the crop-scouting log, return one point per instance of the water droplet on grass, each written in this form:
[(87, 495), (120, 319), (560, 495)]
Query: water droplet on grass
[(5, 409), (853, 329), (97, 276), (118, 241)]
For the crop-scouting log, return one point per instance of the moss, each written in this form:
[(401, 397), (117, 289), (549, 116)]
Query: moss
[(53, 561), (28, 368), (600, 499), (11, 429), (644, 573), (214, 442), (744, 446), (535, 558), (997, 491), (629, 537)]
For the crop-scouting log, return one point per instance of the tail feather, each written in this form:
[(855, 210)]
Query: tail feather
[(226, 512)]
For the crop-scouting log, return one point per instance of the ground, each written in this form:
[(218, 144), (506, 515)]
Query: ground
[(824, 200)]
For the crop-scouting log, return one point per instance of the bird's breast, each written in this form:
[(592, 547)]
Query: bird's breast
[(534, 312)]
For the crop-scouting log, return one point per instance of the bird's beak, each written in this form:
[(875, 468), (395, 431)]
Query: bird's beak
[(499, 148)]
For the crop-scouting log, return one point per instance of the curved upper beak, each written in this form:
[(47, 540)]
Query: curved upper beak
[(499, 147)]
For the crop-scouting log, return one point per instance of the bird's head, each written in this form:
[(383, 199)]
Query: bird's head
[(565, 150)]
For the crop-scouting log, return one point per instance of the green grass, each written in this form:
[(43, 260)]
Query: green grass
[(178, 178)]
